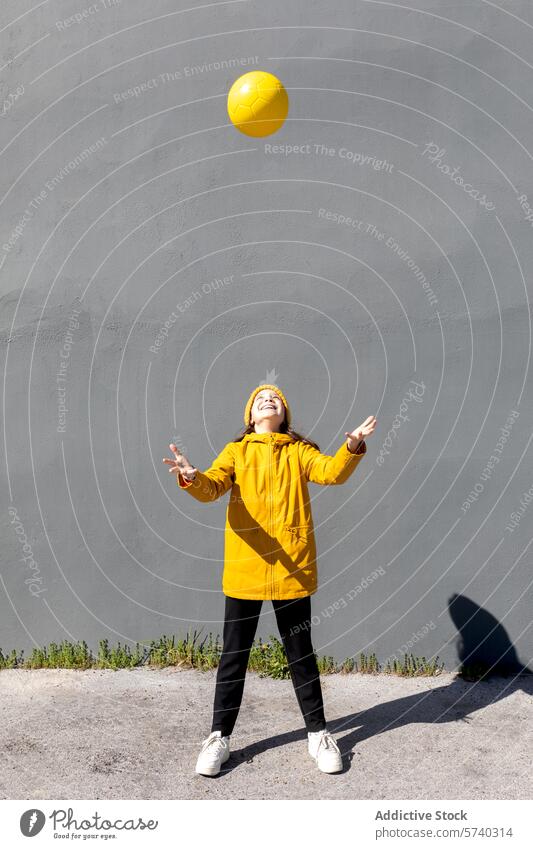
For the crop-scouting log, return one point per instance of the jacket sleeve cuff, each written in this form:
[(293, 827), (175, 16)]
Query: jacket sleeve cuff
[(182, 483), (361, 448)]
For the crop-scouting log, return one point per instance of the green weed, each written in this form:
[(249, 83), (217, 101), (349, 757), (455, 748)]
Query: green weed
[(412, 666), (186, 652), (269, 659)]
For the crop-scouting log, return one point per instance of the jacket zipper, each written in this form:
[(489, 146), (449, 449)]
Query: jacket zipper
[(271, 480)]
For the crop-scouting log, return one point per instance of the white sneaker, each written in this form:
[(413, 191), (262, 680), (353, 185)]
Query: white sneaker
[(324, 750), (214, 752)]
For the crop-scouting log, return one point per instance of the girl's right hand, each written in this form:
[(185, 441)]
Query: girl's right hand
[(180, 465)]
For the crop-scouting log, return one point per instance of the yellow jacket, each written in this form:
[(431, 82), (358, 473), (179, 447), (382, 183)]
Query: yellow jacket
[(270, 550)]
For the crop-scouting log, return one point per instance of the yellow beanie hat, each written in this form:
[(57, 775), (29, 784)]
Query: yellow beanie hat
[(248, 408)]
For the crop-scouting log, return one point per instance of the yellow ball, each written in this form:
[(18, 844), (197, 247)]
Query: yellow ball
[(257, 104)]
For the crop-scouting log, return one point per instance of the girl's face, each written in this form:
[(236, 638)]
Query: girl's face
[(267, 406)]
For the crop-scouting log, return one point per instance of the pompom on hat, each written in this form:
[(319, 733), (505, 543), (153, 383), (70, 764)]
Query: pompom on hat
[(277, 390)]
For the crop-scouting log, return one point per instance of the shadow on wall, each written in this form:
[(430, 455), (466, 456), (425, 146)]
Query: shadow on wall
[(483, 644)]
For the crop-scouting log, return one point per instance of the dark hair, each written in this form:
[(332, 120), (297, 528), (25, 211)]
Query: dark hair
[(283, 429)]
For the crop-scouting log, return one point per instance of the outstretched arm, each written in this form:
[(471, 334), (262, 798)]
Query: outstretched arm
[(326, 469), (215, 481), (329, 469)]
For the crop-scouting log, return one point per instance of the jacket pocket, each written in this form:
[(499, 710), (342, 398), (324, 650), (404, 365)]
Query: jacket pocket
[(299, 548), (298, 540)]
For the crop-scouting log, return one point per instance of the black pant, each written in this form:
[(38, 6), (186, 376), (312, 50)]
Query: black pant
[(293, 618)]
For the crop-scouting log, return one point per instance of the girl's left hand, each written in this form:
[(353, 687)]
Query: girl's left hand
[(360, 433)]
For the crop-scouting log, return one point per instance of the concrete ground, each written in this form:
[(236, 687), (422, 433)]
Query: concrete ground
[(66, 734)]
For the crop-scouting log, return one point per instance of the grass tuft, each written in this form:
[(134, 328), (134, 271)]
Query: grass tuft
[(269, 659), (414, 666)]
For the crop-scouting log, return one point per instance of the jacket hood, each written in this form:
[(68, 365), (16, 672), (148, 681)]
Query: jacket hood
[(267, 437)]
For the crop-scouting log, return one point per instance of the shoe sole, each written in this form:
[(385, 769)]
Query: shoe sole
[(210, 771), (328, 771), (331, 771)]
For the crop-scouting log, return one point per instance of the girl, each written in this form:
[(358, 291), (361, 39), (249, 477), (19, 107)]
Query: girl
[(270, 553)]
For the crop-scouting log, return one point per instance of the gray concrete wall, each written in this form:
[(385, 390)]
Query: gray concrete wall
[(126, 196)]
